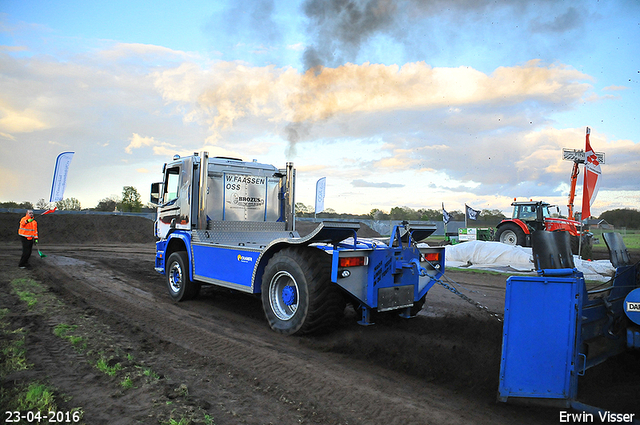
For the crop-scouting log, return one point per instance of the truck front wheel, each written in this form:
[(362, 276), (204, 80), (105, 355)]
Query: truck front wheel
[(298, 296), (511, 234), (181, 288)]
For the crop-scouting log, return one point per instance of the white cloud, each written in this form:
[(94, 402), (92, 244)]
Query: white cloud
[(138, 141), (120, 51), (432, 133), (159, 148), (615, 88), (382, 185), (16, 121)]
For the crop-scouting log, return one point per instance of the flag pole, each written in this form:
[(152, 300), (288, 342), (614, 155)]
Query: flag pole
[(580, 236), (466, 216), (444, 219)]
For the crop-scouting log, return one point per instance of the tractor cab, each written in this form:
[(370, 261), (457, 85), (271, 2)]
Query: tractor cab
[(533, 213)]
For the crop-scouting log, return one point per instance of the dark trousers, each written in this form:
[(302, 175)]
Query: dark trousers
[(27, 247)]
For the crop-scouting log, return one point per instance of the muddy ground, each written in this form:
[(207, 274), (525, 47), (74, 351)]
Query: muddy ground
[(215, 360)]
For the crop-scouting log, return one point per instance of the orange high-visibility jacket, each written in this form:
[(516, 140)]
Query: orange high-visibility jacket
[(28, 229)]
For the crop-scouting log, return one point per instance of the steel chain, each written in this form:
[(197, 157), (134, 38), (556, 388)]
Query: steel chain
[(468, 299)]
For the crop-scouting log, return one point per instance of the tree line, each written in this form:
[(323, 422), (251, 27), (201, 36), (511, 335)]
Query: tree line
[(399, 213), (624, 217), (129, 202)]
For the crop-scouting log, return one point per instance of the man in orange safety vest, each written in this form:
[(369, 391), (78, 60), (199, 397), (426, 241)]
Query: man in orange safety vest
[(28, 232)]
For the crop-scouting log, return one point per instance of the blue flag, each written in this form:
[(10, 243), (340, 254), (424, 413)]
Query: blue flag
[(471, 213), (60, 176), (445, 215)]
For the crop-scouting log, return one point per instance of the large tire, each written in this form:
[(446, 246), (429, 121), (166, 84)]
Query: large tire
[(298, 296), (586, 251), (511, 234), (180, 287), (587, 246)]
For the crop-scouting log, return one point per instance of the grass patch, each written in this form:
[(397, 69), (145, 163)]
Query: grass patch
[(631, 238), (33, 396), (91, 339), (78, 342), (13, 352), (181, 421), (489, 272), (27, 290), (477, 271), (127, 383), (37, 397), (103, 365), (39, 400), (150, 373), (62, 330)]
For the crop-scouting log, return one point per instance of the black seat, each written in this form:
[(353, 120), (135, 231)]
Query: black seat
[(617, 249), (552, 250)]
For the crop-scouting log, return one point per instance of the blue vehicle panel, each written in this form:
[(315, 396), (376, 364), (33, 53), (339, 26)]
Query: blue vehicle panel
[(224, 264)]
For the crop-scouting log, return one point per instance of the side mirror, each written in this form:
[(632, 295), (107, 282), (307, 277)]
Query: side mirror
[(155, 193)]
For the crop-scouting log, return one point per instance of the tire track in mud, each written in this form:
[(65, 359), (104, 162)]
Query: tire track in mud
[(59, 355), (327, 386), (69, 371)]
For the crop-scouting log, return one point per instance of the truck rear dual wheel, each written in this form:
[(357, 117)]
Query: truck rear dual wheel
[(511, 234), (181, 288), (298, 296)]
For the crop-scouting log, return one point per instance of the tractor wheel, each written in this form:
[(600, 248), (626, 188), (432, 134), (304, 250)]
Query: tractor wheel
[(586, 250), (511, 234), (587, 246), (181, 288), (298, 296)]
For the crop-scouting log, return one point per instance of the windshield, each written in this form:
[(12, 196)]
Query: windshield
[(525, 212)]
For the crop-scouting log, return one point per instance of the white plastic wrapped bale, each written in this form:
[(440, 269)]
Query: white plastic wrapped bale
[(599, 270), (506, 258), (489, 255)]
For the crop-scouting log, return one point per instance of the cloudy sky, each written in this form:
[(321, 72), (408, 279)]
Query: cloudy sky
[(398, 103)]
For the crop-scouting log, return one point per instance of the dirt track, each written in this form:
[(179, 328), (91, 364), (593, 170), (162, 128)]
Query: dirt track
[(216, 357)]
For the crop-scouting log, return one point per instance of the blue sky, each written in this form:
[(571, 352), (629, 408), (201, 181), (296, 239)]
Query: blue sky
[(398, 103)]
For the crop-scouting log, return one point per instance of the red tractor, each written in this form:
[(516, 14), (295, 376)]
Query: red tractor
[(530, 216)]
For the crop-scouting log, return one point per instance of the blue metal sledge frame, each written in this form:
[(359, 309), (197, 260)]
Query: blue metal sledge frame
[(554, 329)]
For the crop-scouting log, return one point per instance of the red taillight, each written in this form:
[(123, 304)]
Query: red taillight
[(432, 257), (352, 261)]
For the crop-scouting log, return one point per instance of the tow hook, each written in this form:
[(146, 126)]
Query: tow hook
[(421, 270)]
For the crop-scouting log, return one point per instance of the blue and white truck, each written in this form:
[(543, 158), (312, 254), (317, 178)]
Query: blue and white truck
[(230, 223)]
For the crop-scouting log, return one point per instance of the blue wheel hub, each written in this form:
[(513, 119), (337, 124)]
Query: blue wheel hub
[(289, 295)]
